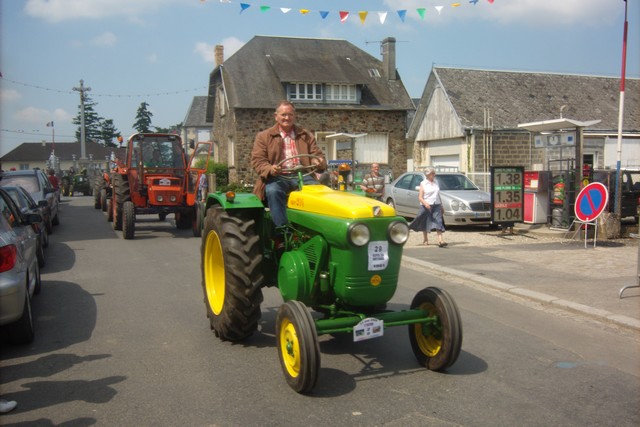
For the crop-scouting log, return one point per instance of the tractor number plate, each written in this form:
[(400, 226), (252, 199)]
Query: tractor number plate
[(378, 255), (164, 181), (368, 328)]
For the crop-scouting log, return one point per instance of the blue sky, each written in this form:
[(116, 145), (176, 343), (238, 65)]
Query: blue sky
[(161, 51)]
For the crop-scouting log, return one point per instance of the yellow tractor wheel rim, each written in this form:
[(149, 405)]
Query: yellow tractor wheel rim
[(429, 345), (214, 276), (290, 348)]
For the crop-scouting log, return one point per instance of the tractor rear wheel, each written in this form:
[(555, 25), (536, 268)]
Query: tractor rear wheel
[(122, 193), (436, 346), (109, 210), (184, 220), (231, 274), (96, 194), (128, 220), (199, 218), (103, 199), (298, 347)]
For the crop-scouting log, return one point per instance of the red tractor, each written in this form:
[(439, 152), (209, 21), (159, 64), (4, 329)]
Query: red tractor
[(155, 179)]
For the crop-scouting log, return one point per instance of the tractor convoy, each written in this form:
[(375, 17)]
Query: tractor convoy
[(152, 179), (339, 256)]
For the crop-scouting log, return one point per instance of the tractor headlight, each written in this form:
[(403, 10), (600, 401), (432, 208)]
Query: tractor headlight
[(160, 198), (358, 234), (398, 232), (173, 198)]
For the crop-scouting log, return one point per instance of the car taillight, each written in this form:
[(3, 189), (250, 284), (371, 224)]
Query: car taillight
[(8, 256)]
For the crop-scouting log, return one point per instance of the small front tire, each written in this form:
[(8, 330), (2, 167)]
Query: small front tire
[(128, 220), (298, 347)]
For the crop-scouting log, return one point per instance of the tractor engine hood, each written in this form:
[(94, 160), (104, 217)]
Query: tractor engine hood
[(323, 200)]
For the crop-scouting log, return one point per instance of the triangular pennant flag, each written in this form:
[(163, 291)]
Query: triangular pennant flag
[(402, 14), (473, 2), (455, 4), (285, 9), (490, 1), (363, 16), (304, 11), (421, 11), (439, 9), (264, 8), (343, 16), (324, 14), (382, 16), (225, 1), (244, 6)]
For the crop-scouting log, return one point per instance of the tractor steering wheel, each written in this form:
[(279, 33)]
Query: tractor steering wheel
[(301, 168)]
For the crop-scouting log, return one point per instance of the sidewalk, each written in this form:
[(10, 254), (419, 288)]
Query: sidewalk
[(541, 265)]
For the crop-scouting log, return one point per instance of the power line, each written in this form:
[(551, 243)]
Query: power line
[(140, 95)]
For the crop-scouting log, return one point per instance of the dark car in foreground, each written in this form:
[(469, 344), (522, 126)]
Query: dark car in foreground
[(38, 185), (464, 203), (19, 270)]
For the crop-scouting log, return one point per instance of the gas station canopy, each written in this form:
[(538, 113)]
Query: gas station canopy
[(556, 124)]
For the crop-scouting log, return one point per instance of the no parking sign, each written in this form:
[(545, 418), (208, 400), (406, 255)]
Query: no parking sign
[(591, 202)]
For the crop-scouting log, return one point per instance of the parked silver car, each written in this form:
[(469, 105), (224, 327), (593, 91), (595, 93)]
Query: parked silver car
[(19, 270), (464, 203)]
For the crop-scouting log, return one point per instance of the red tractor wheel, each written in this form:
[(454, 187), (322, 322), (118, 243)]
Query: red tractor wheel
[(128, 220)]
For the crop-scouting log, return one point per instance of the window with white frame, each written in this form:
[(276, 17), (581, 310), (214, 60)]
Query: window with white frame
[(305, 92), (341, 92), (372, 148)]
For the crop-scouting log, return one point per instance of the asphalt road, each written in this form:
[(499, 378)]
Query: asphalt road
[(122, 340)]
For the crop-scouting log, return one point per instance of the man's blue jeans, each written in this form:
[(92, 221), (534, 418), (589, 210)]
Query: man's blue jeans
[(276, 192)]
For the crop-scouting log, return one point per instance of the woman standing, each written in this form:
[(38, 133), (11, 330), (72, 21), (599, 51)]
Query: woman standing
[(431, 210)]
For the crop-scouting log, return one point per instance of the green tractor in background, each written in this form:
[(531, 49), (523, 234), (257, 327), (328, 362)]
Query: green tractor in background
[(339, 255), (76, 182)]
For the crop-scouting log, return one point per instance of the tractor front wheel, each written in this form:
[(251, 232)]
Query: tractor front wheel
[(436, 345), (109, 203), (298, 347), (128, 220), (231, 274), (103, 199), (198, 219)]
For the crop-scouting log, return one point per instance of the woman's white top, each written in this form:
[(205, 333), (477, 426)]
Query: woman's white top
[(430, 192)]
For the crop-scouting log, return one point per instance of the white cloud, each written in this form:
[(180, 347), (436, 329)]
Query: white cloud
[(105, 39), (40, 116), (207, 51), (65, 10), (517, 12), (9, 95)]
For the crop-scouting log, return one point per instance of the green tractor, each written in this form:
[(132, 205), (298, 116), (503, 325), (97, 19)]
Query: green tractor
[(339, 255)]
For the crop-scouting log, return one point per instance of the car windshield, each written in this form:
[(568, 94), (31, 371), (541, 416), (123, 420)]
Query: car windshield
[(29, 183), (455, 182)]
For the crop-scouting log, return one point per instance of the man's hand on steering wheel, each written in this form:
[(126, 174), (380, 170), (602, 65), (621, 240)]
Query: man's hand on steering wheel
[(316, 162)]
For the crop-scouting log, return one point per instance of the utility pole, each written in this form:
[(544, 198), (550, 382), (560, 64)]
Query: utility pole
[(83, 143)]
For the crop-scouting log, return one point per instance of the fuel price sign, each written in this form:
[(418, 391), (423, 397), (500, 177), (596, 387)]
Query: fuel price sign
[(507, 195)]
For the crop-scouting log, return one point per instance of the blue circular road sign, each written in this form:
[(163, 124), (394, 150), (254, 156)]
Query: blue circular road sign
[(591, 202)]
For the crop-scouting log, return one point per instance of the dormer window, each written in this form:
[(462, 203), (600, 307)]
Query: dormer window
[(323, 93), (305, 92)]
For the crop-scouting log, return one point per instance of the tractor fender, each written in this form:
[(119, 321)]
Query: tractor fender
[(241, 201)]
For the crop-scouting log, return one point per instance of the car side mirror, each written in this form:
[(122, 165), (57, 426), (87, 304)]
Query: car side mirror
[(49, 190), (31, 218)]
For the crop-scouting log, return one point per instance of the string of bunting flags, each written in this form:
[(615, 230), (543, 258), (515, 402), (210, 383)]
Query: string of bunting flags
[(344, 14)]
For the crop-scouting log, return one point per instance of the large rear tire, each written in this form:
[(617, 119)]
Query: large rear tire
[(436, 346), (231, 274), (103, 199), (122, 193), (109, 210), (128, 220), (298, 347)]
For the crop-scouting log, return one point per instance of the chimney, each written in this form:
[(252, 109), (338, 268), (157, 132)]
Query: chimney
[(219, 55), (388, 48)]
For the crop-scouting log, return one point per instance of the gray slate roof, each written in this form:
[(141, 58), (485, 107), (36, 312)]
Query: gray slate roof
[(37, 151), (197, 114), (255, 75), (522, 97)]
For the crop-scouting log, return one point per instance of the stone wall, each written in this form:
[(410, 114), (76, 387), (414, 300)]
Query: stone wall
[(510, 148)]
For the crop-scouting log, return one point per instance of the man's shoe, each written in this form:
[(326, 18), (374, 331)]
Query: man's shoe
[(7, 406)]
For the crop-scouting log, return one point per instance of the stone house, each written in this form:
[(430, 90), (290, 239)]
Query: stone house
[(195, 127), (356, 104), (473, 119)]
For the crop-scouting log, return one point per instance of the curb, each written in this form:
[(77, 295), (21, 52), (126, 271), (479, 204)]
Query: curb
[(602, 315)]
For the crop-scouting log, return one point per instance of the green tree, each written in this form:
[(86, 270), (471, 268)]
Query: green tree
[(175, 129), (108, 133), (92, 121), (143, 118)]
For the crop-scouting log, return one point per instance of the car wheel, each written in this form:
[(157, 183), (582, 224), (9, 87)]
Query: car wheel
[(391, 203)]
